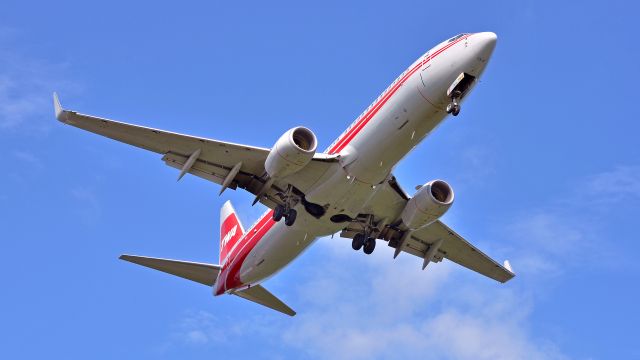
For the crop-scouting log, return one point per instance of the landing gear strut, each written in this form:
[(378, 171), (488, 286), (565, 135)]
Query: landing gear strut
[(453, 107)]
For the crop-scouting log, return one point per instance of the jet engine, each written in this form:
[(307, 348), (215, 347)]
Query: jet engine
[(291, 153), (431, 201)]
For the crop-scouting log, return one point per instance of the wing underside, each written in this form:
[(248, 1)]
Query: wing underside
[(432, 243), (455, 248), (234, 165), (436, 242)]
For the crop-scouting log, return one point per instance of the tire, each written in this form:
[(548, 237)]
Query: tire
[(456, 110), (278, 212), (290, 219), (449, 108), (369, 246), (358, 241)]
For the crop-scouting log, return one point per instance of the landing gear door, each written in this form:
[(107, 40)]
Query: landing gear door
[(426, 63)]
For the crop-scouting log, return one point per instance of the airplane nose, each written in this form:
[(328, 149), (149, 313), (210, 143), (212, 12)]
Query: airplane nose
[(486, 42)]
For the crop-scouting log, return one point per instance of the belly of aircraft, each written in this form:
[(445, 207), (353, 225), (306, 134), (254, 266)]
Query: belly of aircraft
[(282, 244)]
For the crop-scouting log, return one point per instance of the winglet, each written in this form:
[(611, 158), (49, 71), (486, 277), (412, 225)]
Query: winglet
[(507, 266), (60, 115)]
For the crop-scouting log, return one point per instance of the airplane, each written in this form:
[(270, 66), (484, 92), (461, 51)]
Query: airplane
[(349, 188)]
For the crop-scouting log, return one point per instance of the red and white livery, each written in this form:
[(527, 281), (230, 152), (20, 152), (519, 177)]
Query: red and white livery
[(349, 188)]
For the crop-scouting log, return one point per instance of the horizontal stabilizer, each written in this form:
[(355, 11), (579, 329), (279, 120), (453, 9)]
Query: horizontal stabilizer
[(262, 296), (199, 272)]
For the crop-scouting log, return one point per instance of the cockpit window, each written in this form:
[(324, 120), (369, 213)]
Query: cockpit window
[(456, 38)]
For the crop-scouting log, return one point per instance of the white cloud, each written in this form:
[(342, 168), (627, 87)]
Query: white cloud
[(199, 327), (475, 164), (541, 240), (90, 210), (354, 306), (377, 307), (26, 86), (565, 232), (16, 104), (29, 159), (619, 184), (457, 335)]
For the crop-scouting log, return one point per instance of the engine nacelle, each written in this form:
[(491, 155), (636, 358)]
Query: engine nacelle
[(291, 153), (431, 201)]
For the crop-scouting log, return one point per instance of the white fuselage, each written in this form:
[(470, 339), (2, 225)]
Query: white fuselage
[(412, 106)]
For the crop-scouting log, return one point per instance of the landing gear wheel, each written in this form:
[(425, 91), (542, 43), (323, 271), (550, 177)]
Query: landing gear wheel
[(358, 241), (453, 109), (278, 212), (456, 110), (290, 217), (369, 245)]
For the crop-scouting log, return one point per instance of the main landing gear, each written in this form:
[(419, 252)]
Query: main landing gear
[(364, 242), (288, 214), (286, 210), (453, 107)]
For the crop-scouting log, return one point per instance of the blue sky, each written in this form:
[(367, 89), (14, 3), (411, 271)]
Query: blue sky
[(544, 159)]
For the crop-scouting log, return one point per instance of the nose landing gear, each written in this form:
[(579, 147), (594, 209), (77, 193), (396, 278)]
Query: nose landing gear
[(460, 86), (453, 107)]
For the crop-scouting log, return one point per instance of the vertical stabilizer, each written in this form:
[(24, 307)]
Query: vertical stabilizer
[(231, 230)]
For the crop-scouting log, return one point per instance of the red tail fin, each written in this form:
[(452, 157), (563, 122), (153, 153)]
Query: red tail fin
[(231, 230)]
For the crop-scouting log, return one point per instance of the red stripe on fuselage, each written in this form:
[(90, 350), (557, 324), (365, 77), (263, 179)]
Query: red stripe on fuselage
[(350, 134)]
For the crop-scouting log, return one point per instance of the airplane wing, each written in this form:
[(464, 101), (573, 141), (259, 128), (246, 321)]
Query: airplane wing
[(432, 243), (454, 247), (213, 160)]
